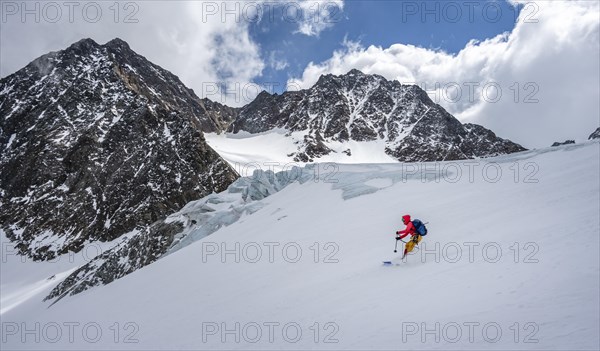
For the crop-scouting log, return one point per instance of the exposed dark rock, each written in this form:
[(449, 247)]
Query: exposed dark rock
[(566, 142), (95, 141)]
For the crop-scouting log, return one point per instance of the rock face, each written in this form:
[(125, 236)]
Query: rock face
[(95, 141), (364, 107), (595, 134), (566, 142)]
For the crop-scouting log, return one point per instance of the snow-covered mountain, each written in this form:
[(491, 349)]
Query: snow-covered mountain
[(300, 267), (95, 141), (363, 108)]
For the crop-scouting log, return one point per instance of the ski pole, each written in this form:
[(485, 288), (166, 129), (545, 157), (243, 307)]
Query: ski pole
[(396, 247)]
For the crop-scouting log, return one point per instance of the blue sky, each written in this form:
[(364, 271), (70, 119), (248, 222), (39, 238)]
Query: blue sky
[(449, 27)]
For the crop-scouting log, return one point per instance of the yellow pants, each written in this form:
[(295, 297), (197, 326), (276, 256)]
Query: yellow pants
[(411, 244)]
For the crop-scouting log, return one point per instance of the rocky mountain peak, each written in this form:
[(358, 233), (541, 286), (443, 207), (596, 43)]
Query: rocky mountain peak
[(97, 141), (355, 72), (83, 44), (118, 43), (362, 107)]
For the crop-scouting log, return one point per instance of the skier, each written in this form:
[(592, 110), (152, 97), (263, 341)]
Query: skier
[(410, 230)]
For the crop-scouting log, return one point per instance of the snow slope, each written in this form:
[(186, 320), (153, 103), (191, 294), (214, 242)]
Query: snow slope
[(270, 149), (478, 290)]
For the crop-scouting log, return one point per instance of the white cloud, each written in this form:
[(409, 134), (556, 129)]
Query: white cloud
[(554, 61), (314, 16), (277, 63)]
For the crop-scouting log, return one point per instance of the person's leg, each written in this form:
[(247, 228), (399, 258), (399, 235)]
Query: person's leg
[(410, 245)]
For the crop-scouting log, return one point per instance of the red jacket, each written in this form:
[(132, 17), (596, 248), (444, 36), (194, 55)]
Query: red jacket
[(410, 228)]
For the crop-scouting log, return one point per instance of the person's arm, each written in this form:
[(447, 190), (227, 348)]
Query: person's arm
[(410, 228), (405, 232)]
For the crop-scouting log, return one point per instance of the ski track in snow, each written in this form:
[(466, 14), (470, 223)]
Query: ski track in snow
[(550, 278)]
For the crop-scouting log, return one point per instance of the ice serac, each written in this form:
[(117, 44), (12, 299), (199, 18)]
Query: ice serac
[(361, 107), (595, 134), (95, 141)]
